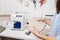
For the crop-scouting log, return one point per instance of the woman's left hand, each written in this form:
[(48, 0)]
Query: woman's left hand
[(34, 30)]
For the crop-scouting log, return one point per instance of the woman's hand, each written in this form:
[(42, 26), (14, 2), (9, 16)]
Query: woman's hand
[(40, 19), (45, 20), (34, 30)]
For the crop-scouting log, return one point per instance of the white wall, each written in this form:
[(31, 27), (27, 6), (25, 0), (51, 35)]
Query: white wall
[(12, 6)]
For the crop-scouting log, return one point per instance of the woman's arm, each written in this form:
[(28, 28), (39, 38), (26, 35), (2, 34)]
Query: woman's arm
[(45, 37), (35, 32)]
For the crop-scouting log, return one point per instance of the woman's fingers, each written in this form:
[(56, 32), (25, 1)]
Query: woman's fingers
[(34, 30), (43, 20)]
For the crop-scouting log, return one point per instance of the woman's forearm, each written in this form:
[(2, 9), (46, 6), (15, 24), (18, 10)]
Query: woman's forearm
[(45, 37)]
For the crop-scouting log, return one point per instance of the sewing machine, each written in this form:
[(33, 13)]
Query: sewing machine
[(18, 21)]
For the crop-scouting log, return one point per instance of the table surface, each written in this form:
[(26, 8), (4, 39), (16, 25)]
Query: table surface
[(18, 34)]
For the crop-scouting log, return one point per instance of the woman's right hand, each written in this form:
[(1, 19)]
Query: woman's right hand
[(41, 19), (45, 20)]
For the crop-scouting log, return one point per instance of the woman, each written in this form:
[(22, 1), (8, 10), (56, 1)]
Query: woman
[(55, 27)]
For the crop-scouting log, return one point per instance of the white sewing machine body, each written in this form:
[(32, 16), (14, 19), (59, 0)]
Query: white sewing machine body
[(18, 18)]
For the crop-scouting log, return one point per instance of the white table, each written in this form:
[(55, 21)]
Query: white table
[(18, 34)]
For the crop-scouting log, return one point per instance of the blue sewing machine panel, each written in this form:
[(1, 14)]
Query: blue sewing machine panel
[(17, 25)]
